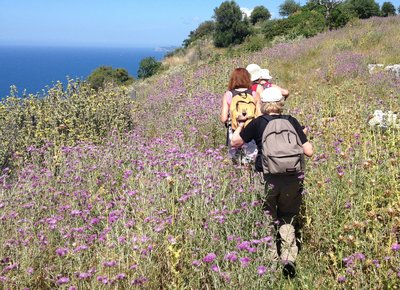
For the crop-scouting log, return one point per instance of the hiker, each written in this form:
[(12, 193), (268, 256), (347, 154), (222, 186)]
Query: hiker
[(283, 188), (239, 97), (262, 80)]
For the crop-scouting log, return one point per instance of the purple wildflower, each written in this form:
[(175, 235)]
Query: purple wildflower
[(210, 257), (62, 251), (196, 263), (245, 261), (109, 263), (261, 270), (120, 276), (62, 280), (341, 279), (395, 247), (232, 256)]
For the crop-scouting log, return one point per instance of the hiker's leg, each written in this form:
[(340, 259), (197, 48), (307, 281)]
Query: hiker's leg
[(270, 206), (288, 246), (271, 192), (290, 199), (288, 209)]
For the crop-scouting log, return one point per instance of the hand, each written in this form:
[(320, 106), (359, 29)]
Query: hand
[(241, 119)]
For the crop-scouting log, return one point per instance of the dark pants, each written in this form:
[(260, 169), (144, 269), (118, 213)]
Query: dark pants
[(283, 199)]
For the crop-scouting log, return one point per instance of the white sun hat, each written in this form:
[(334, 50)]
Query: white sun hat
[(271, 94), (254, 70), (265, 74)]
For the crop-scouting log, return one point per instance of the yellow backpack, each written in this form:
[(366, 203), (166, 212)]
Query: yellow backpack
[(242, 104)]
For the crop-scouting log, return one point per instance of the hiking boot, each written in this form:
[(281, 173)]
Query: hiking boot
[(289, 270)]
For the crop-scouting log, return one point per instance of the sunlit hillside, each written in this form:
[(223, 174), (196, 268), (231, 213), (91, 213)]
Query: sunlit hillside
[(100, 190)]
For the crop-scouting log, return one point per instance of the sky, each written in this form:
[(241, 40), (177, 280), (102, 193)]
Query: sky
[(111, 23)]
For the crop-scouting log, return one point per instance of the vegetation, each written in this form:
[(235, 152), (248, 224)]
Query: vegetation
[(230, 27), (288, 7), (106, 74), (259, 14), (364, 8), (205, 29), (304, 23), (388, 9), (148, 67), (103, 191)]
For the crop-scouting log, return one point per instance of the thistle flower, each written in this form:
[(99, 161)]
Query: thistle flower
[(261, 270), (62, 251), (395, 247), (245, 261), (62, 280), (209, 258)]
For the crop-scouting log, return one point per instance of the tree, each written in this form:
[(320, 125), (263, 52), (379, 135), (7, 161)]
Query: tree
[(329, 6), (148, 67), (340, 16), (230, 28), (388, 9), (205, 28), (364, 8), (106, 74), (288, 7), (259, 13)]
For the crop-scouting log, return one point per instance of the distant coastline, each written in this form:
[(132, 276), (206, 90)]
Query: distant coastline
[(33, 69)]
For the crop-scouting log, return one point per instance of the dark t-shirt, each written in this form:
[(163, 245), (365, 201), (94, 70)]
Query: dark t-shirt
[(255, 129)]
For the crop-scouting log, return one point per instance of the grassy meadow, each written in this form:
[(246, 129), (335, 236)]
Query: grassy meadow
[(99, 190)]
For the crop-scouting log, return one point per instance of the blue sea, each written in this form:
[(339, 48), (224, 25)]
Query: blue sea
[(36, 68)]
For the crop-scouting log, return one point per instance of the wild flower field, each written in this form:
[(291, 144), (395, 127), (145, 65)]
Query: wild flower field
[(102, 191)]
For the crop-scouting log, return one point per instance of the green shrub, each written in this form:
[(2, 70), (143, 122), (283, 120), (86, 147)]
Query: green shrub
[(254, 43), (304, 23), (148, 67), (62, 117), (106, 74)]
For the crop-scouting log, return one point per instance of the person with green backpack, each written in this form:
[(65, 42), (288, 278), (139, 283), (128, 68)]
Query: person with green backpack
[(282, 145), (240, 102)]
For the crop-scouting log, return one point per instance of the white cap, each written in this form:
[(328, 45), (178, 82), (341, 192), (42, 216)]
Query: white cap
[(271, 94), (254, 70), (264, 74)]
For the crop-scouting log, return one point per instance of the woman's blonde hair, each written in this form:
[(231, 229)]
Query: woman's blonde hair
[(273, 107)]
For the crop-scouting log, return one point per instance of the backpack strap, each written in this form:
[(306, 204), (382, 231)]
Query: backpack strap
[(236, 92), (270, 117)]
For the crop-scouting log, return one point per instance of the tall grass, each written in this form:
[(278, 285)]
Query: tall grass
[(151, 201)]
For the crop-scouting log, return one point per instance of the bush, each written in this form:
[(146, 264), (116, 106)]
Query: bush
[(364, 8), (106, 74), (148, 67), (62, 117), (206, 28), (254, 43), (305, 23)]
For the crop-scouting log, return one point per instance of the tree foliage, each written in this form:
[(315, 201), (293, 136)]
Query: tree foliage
[(288, 7), (304, 23), (259, 13), (364, 8), (204, 29), (106, 74), (148, 67), (388, 9), (230, 27)]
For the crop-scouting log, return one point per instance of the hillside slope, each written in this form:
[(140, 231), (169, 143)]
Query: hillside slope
[(160, 206)]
